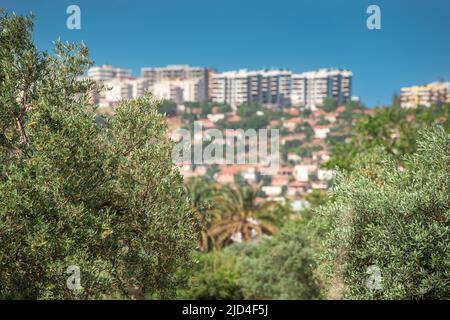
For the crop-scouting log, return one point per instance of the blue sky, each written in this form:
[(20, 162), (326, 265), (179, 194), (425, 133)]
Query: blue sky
[(413, 46)]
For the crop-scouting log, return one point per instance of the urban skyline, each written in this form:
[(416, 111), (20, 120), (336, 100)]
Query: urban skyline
[(228, 35), (185, 83), (269, 87)]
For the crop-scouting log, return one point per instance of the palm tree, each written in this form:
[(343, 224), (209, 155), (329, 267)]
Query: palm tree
[(240, 216), (199, 193)]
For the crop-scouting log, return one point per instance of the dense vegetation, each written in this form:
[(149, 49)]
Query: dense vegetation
[(102, 193), (395, 130), (395, 218)]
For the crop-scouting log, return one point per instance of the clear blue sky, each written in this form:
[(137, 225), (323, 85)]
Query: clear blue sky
[(413, 46)]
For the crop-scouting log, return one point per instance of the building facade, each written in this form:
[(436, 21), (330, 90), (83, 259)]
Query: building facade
[(268, 87), (272, 88), (310, 89), (179, 90), (118, 89), (435, 93), (108, 72), (176, 73)]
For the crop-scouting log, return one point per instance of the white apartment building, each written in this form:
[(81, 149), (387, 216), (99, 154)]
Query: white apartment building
[(167, 91), (271, 87), (119, 89), (179, 83), (310, 89), (434, 93), (108, 72), (179, 72), (230, 87), (268, 87), (119, 83), (178, 90)]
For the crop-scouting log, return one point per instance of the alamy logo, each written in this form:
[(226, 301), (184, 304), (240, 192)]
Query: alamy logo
[(74, 20), (260, 147), (74, 280), (374, 20)]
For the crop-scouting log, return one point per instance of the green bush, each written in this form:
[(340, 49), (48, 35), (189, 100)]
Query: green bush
[(214, 277), (396, 218), (100, 195), (280, 267)]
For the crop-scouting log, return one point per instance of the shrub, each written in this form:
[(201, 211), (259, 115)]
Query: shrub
[(394, 218), (100, 195), (280, 267)]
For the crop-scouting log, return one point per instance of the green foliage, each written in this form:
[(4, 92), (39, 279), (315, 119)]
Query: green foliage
[(168, 108), (239, 180), (211, 171), (101, 195), (315, 199), (205, 108), (322, 121), (393, 129), (237, 212), (249, 118), (214, 277), (306, 129), (222, 108), (280, 267), (329, 105), (394, 217), (202, 110), (200, 193)]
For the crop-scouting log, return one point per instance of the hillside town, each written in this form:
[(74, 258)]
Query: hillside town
[(282, 100), (311, 111), (244, 186)]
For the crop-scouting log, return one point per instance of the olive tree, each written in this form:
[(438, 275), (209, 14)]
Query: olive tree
[(103, 196), (387, 226)]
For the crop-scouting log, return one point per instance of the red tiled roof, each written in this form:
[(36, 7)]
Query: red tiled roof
[(340, 109), (234, 119)]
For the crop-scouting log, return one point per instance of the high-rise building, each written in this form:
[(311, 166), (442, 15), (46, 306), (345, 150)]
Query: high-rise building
[(268, 87), (119, 89), (310, 89), (108, 72), (231, 87), (182, 83), (179, 90), (167, 90), (210, 73), (178, 72), (435, 93)]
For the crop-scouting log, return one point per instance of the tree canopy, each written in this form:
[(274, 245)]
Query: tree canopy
[(100, 195), (393, 129), (394, 217)]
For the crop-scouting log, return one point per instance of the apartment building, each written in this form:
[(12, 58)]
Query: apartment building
[(108, 72), (268, 87), (271, 87), (119, 89), (310, 89), (178, 90), (210, 73), (119, 83), (179, 72), (435, 93), (230, 87), (167, 91)]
